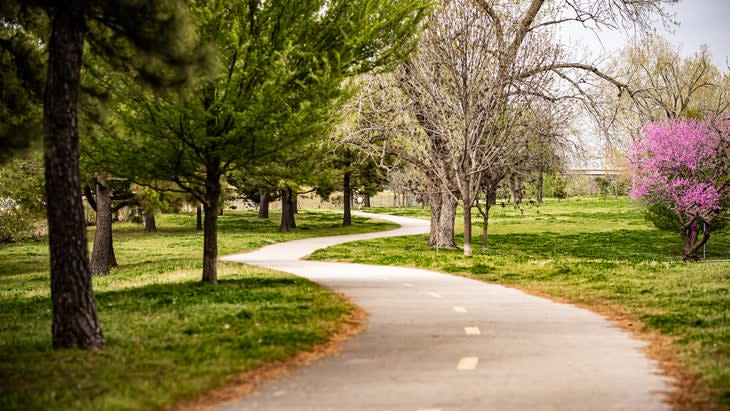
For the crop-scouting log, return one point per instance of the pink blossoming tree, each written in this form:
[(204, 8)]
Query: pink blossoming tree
[(683, 167)]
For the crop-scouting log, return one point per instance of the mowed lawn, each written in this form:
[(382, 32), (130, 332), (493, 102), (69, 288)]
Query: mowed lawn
[(599, 253), (170, 338)]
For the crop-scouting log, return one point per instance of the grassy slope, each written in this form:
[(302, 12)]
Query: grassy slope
[(596, 252), (169, 336)]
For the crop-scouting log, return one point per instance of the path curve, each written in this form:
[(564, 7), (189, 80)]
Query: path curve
[(441, 342)]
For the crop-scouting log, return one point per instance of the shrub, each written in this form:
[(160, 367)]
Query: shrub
[(15, 224)]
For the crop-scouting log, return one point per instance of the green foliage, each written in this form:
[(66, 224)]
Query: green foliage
[(22, 75), (595, 252), (662, 218), (22, 196), (152, 41), (275, 92), (559, 187), (22, 180), (170, 338), (15, 223), (553, 185)]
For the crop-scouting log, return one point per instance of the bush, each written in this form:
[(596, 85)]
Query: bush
[(560, 188), (581, 186), (15, 224)]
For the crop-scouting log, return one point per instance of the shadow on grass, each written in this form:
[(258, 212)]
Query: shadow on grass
[(162, 335), (624, 245)]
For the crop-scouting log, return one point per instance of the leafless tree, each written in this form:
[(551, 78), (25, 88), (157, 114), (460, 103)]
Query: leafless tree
[(481, 66), (663, 86)]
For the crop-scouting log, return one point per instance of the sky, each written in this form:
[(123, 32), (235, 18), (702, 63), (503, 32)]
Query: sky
[(700, 22)]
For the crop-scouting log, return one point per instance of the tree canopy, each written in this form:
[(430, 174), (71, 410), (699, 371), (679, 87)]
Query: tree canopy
[(683, 165), (282, 66)]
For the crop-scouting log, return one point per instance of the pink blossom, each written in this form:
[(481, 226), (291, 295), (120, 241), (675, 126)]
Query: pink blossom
[(683, 163)]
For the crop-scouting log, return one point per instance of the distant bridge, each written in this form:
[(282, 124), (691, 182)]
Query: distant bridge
[(596, 171)]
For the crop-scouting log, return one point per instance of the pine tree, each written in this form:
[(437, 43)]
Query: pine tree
[(153, 40)]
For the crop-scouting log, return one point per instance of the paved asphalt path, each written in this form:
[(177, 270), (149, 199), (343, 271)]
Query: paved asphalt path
[(441, 342)]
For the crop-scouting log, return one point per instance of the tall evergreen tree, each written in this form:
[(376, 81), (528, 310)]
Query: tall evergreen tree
[(148, 38), (282, 66)]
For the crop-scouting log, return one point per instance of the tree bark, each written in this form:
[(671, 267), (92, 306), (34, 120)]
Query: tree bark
[(346, 200), (150, 226), (366, 204), (490, 200), (443, 216), (515, 190), (102, 257), (74, 324), (540, 181), (485, 228), (540, 178), (199, 218), (210, 226), (692, 245), (294, 201), (467, 229), (287, 213), (264, 199)]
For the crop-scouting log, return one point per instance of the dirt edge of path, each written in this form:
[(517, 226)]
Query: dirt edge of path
[(690, 392), (240, 385)]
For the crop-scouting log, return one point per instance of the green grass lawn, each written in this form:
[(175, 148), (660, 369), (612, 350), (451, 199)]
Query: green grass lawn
[(596, 252), (170, 337)]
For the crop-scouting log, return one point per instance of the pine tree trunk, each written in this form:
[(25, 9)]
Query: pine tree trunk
[(443, 216), (264, 198), (366, 204), (150, 226), (199, 218), (102, 256), (75, 324), (294, 201), (346, 200), (287, 213), (210, 226)]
